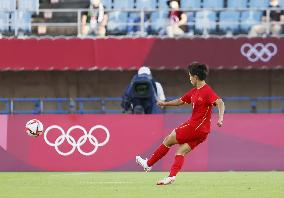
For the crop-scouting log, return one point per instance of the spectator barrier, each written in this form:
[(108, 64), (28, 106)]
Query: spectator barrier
[(245, 142), (131, 53)]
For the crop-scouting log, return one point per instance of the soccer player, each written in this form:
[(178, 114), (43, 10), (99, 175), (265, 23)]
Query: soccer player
[(195, 130)]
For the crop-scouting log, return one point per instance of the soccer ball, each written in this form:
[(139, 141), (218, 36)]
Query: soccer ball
[(34, 128)]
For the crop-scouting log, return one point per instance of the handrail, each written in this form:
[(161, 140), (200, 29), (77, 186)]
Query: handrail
[(78, 105), (142, 12)]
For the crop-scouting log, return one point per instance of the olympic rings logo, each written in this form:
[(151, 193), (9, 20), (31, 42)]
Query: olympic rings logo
[(76, 144), (259, 51)]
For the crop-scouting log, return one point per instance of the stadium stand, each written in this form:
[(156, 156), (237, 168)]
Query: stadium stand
[(4, 22), (7, 5), (158, 22), (117, 23), (229, 21), (208, 16), (28, 5), (213, 4), (134, 24), (258, 4), (21, 21), (240, 17), (194, 4), (146, 4), (126, 4), (248, 19), (205, 22), (281, 3), (6, 8), (240, 4), (162, 4), (107, 4)]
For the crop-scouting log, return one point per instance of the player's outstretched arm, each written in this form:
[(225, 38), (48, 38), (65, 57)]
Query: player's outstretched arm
[(221, 108), (175, 102)]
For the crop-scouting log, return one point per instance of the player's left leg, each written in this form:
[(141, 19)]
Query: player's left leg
[(176, 167)]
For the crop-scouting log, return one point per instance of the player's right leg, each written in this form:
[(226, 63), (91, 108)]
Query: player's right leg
[(160, 152)]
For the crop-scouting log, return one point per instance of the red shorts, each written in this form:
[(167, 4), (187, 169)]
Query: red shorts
[(186, 133)]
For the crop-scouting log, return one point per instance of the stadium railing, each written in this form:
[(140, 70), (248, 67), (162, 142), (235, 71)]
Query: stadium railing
[(200, 21), (111, 105)]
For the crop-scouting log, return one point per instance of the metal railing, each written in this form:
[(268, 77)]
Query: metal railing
[(143, 23), (111, 105)]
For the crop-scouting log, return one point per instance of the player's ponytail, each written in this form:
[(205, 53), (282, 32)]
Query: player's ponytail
[(198, 69)]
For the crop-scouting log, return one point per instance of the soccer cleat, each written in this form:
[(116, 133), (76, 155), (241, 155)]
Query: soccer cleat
[(166, 181), (143, 162)]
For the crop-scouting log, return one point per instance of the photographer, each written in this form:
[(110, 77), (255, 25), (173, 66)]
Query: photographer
[(142, 94)]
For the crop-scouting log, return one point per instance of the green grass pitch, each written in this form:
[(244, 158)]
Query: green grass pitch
[(142, 185)]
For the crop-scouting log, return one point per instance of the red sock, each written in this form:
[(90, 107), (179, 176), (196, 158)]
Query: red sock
[(179, 159), (158, 154)]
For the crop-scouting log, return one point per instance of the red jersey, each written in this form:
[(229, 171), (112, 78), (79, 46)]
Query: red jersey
[(202, 101)]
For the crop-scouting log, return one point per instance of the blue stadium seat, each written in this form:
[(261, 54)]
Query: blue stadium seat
[(237, 4), (107, 4), (135, 17), (123, 4), (159, 22), (4, 21), (21, 21), (259, 4), (28, 5), (146, 4), (213, 4), (250, 18), (281, 3), (7, 5), (205, 21), (229, 21), (190, 22), (162, 4), (190, 4), (117, 22)]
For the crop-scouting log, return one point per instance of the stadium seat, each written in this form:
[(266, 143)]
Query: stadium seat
[(117, 22), (190, 4), (213, 4), (7, 5), (135, 17), (4, 22), (205, 21), (21, 21), (259, 4), (123, 4), (240, 4), (28, 5), (162, 4), (229, 21), (281, 3), (107, 4), (250, 18), (159, 22), (190, 22), (146, 4)]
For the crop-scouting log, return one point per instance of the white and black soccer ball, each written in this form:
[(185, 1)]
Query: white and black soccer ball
[(34, 128)]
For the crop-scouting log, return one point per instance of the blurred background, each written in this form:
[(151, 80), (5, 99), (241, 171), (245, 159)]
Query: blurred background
[(250, 81), (62, 61)]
